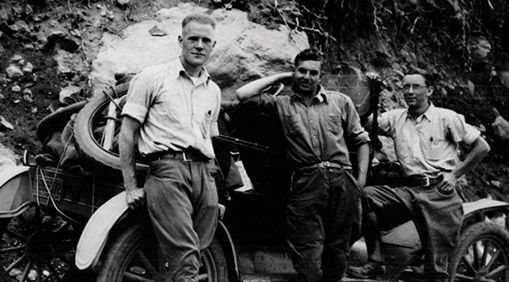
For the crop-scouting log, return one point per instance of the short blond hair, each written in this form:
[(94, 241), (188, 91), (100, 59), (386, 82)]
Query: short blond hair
[(199, 18)]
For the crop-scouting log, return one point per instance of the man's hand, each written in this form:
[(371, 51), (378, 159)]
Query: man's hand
[(286, 78), (372, 75), (135, 197), (447, 184)]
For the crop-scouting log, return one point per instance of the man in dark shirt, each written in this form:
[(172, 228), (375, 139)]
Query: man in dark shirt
[(323, 208)]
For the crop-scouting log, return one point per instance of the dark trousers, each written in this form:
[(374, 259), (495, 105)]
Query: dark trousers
[(323, 217), (182, 205), (437, 218)]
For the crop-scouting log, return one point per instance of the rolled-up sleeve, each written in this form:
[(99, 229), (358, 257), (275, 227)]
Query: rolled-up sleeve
[(266, 103), (139, 98), (355, 133), (384, 124), (461, 131)]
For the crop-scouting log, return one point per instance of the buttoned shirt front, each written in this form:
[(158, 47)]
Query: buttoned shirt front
[(175, 113), (429, 144), (319, 132)]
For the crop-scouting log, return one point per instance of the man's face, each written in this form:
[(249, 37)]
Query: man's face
[(306, 77), (197, 42), (415, 91)]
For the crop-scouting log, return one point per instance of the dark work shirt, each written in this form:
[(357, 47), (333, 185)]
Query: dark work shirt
[(318, 132)]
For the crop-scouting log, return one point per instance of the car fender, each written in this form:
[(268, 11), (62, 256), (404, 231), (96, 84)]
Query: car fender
[(96, 231), (15, 190), (483, 205), (95, 235), (484, 209)]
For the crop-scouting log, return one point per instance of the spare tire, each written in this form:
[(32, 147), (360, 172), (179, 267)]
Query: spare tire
[(87, 128)]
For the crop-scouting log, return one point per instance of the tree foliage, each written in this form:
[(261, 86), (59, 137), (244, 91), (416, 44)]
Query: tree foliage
[(447, 24)]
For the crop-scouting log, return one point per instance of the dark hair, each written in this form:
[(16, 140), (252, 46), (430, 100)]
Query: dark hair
[(428, 78), (199, 18), (309, 54)]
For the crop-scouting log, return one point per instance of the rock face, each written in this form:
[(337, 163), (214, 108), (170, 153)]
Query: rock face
[(13, 71), (65, 95), (7, 157), (244, 50)]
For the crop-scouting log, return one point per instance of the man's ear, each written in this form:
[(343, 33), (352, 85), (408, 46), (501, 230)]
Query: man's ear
[(180, 39), (429, 91)]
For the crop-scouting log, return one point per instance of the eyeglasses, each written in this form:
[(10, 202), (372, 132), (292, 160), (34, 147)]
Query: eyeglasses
[(414, 87)]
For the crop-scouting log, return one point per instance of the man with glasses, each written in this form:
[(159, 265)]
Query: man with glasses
[(323, 209), (426, 140), (171, 112)]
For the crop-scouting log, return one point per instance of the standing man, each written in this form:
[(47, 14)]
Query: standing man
[(426, 139), (171, 112), (323, 208)]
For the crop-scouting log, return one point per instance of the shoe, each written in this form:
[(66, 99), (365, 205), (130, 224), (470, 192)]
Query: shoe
[(370, 270)]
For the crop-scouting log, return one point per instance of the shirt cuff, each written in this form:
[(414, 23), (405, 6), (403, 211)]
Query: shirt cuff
[(360, 139), (471, 135), (135, 111)]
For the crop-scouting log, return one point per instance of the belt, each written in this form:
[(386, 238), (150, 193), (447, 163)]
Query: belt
[(423, 181), (325, 164), (187, 155)]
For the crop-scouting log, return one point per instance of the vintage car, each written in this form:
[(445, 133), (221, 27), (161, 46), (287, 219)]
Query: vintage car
[(66, 219)]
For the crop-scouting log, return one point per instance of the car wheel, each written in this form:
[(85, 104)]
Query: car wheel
[(134, 256), (89, 129), (37, 246), (482, 254)]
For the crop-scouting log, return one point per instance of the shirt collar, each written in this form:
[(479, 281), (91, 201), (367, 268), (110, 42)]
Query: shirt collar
[(428, 114), (204, 75), (321, 97)]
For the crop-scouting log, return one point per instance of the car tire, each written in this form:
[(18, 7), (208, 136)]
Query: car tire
[(134, 254), (482, 254), (86, 123), (49, 254)]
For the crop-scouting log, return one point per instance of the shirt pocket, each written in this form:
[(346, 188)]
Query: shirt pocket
[(334, 123), (205, 124), (435, 150), (292, 123)]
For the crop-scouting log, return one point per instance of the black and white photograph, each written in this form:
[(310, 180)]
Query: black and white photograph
[(254, 140)]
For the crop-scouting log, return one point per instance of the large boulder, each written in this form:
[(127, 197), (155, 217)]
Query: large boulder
[(7, 157), (244, 50)]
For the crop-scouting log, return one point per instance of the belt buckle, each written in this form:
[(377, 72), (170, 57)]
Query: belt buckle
[(184, 157), (425, 182)]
